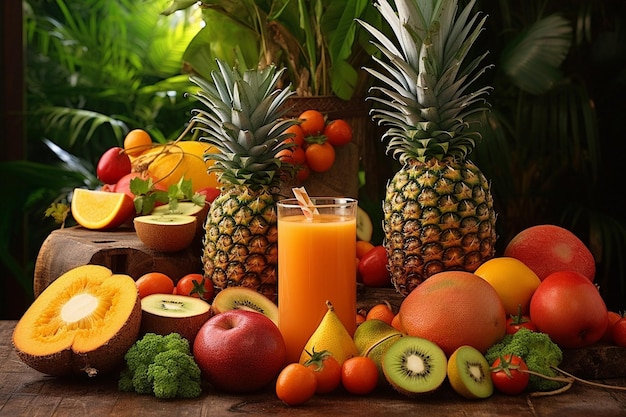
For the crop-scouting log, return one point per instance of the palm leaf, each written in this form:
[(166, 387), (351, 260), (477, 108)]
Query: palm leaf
[(532, 61)]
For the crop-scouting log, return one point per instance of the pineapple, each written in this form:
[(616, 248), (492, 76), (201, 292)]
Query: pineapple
[(438, 210), (243, 121)]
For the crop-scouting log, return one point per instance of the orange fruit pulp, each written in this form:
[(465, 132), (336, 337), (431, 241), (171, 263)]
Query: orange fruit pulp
[(100, 209)]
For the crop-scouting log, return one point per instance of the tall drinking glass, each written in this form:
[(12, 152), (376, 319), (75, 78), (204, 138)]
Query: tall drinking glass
[(316, 262)]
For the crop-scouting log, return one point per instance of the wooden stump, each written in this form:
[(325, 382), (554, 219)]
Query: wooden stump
[(119, 250)]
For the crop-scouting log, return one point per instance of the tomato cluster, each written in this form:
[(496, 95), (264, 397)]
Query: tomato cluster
[(192, 285), (297, 382), (314, 141)]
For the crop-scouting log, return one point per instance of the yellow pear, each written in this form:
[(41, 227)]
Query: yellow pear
[(330, 335)]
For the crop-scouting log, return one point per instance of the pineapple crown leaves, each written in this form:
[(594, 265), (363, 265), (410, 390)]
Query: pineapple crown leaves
[(243, 121), (425, 99)]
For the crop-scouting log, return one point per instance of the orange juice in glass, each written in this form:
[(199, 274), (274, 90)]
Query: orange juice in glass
[(316, 262)]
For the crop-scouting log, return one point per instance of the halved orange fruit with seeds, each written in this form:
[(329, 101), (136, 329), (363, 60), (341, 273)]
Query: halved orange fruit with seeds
[(83, 322), (101, 209)]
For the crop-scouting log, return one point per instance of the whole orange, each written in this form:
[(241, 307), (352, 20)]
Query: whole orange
[(452, 309), (514, 282)]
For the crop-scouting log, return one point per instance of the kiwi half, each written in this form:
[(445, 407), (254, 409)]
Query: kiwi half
[(168, 313), (243, 298), (469, 373), (413, 366)]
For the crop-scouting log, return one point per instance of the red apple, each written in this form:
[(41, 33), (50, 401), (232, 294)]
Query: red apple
[(569, 308), (239, 351), (548, 248), (113, 165)]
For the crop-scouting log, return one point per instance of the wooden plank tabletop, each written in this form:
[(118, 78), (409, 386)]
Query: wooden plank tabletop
[(26, 392)]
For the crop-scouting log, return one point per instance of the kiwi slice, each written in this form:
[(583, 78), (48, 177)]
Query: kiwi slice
[(413, 366), (243, 298), (168, 313), (469, 373)]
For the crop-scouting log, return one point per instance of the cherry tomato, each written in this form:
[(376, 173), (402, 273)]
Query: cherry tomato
[(113, 165), (296, 384), (360, 316), (303, 173), (618, 332), (154, 283), (382, 312), (320, 156), (294, 155), (298, 134), (327, 371), (373, 268), (359, 375), (312, 122), (519, 321), (338, 132), (195, 285), (508, 376)]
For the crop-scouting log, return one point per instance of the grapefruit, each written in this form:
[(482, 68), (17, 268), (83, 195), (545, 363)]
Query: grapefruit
[(170, 162), (452, 309)]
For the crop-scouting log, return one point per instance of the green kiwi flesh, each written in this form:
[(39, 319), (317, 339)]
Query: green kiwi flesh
[(469, 373), (413, 366), (243, 298)]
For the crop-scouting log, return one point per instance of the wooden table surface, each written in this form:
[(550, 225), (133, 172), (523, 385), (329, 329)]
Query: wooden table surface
[(26, 392)]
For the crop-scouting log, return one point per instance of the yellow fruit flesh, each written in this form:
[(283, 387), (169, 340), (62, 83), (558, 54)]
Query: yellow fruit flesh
[(82, 310), (100, 209)]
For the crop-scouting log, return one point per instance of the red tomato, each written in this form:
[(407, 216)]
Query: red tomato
[(295, 384), (113, 165), (195, 285), (519, 321), (569, 308), (312, 122), (613, 318), (327, 371), (382, 311), (619, 332), (154, 283), (298, 134), (320, 156), (508, 376), (338, 132), (373, 268), (303, 173), (359, 375)]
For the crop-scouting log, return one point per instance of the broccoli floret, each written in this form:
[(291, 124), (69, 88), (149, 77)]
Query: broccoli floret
[(538, 351), (162, 366)]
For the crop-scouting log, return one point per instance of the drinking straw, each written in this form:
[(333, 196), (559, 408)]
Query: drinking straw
[(304, 201)]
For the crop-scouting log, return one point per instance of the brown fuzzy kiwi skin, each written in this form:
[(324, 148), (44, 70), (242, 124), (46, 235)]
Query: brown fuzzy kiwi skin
[(166, 237), (186, 326)]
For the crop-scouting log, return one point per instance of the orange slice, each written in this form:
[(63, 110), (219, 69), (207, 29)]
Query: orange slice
[(100, 209)]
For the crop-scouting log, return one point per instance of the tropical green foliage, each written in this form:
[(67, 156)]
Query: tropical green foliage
[(318, 41), (95, 69)]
